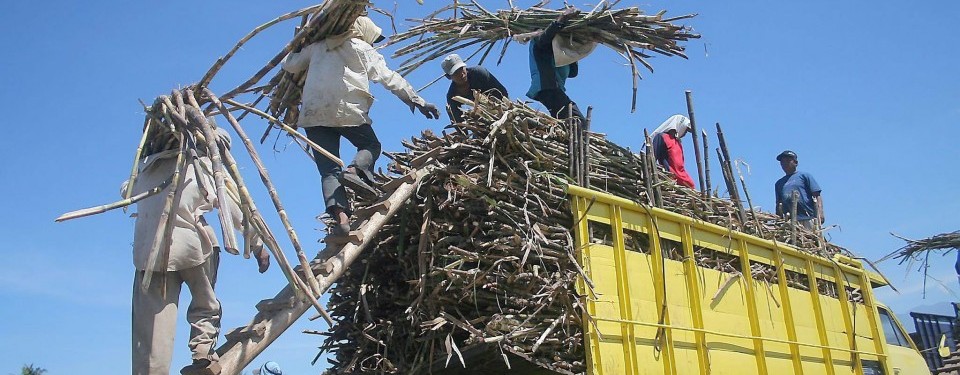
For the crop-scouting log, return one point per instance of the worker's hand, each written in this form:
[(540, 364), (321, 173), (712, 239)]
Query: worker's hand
[(263, 259), (568, 14), (429, 110)]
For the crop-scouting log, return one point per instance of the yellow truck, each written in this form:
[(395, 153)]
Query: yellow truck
[(653, 306)]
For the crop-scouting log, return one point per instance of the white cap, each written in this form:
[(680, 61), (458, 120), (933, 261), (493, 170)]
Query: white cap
[(567, 50), (451, 64)]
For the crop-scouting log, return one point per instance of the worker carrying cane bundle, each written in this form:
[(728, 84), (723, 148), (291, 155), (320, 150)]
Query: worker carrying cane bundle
[(336, 103)]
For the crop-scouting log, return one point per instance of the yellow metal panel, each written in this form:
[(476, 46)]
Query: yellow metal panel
[(660, 316)]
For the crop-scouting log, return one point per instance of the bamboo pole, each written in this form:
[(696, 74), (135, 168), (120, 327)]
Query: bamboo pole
[(265, 177), (696, 141)]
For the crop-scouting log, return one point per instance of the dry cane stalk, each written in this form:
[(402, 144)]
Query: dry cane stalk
[(160, 247), (265, 177), (227, 229), (136, 160), (696, 142), (289, 130), (118, 204)]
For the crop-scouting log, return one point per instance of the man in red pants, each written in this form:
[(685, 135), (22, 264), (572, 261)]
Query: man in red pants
[(668, 150)]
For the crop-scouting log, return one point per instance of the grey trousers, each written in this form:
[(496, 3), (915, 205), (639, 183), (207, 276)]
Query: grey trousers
[(368, 150), (155, 317)]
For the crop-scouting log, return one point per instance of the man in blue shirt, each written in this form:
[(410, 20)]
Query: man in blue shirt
[(547, 84), (810, 202)]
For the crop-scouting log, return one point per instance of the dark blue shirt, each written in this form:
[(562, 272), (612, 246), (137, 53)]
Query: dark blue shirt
[(801, 182), (480, 79)]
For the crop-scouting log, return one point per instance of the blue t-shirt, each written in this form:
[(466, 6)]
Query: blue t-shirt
[(804, 183)]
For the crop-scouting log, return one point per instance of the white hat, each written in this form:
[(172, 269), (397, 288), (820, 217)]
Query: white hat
[(567, 50), (367, 30), (451, 64)]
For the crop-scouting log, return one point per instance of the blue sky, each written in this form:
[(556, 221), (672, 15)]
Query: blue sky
[(867, 93)]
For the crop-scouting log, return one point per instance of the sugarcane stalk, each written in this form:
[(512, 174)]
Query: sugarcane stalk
[(136, 159), (586, 147), (696, 141), (727, 164), (289, 130), (271, 189), (160, 247), (794, 198), (227, 229), (205, 81), (706, 165), (118, 204)]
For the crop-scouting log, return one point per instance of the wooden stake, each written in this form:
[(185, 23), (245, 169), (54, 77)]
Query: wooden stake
[(734, 192), (696, 141), (706, 165)]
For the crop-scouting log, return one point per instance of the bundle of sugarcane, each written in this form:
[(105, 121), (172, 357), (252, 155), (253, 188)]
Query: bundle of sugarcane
[(285, 88), (629, 31), (945, 242), (177, 122), (483, 257)]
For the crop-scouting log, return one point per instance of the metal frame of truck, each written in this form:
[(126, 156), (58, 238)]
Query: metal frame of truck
[(686, 319)]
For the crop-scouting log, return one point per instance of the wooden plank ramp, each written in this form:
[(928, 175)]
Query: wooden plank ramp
[(243, 344)]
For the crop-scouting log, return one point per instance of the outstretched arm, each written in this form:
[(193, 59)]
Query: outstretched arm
[(546, 38), (377, 71)]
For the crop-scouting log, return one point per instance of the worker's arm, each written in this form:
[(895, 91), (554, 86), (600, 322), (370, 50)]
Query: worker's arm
[(377, 71), (297, 62), (813, 189), (817, 197), (546, 39), (779, 203)]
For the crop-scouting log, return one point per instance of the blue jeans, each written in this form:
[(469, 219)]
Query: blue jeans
[(368, 150)]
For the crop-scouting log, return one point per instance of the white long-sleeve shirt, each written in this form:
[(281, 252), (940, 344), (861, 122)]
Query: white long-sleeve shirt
[(337, 90), (192, 239)]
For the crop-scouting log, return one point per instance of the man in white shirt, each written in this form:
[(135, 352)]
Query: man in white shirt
[(193, 260), (336, 103)]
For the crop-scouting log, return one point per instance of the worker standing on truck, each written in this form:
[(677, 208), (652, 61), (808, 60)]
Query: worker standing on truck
[(668, 150), (193, 255), (810, 201), (464, 80), (552, 60), (336, 103)]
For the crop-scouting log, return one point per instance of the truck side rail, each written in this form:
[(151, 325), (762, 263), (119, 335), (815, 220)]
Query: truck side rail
[(653, 286)]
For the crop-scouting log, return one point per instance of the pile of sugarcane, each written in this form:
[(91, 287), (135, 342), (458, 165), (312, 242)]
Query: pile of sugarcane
[(483, 256), (628, 31)]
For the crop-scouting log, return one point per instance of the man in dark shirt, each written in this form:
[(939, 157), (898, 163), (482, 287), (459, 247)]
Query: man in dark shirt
[(547, 79), (809, 203), (464, 80)]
